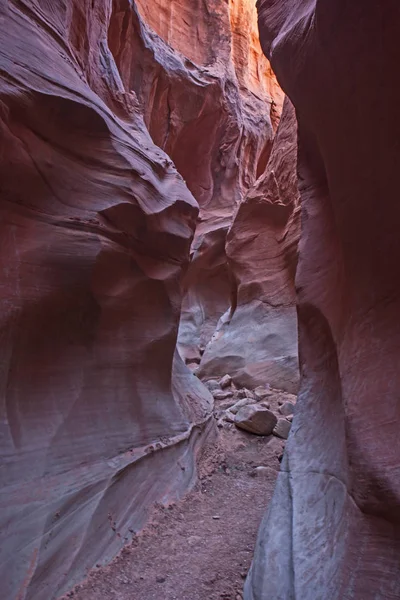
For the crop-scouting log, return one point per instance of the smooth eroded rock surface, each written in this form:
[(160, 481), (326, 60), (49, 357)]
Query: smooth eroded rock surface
[(257, 341), (98, 419), (333, 528), (211, 101)]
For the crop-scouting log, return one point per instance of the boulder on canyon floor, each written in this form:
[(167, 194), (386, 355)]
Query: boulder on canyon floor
[(256, 419)]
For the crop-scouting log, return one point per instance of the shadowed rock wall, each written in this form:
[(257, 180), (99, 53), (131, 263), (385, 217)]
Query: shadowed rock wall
[(98, 420), (332, 531)]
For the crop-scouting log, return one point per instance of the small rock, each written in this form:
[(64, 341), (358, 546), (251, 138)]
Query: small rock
[(250, 394), (212, 385), (289, 418), (225, 381), (264, 471), (242, 393), (265, 404), (243, 402), (216, 517), (262, 392), (221, 394), (160, 579), (291, 398), (256, 419), (282, 429), (229, 416), (226, 404), (286, 409)]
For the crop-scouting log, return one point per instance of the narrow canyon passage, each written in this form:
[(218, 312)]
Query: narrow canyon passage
[(201, 547), (199, 240), (149, 228)]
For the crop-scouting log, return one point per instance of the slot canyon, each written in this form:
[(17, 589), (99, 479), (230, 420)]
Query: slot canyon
[(199, 359)]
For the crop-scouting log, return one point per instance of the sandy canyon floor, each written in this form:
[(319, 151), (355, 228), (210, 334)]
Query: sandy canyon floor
[(201, 547)]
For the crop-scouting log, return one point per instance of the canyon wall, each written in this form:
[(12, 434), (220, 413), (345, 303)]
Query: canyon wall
[(332, 531), (100, 418), (211, 101), (257, 338)]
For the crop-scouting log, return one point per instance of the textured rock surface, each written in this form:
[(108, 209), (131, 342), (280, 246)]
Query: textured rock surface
[(282, 429), (211, 101), (97, 421), (333, 528), (256, 419), (257, 343)]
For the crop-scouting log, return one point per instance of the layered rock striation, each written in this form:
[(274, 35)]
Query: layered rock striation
[(256, 339), (100, 418), (333, 528), (211, 101)]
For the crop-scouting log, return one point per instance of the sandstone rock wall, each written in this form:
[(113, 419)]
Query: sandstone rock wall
[(211, 101), (98, 420), (333, 528), (257, 339)]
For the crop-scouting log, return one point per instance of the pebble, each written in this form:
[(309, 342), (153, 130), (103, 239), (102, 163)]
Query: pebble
[(229, 416), (160, 579), (282, 429), (263, 471), (286, 409), (212, 385), (225, 381), (221, 394), (243, 402), (262, 392)]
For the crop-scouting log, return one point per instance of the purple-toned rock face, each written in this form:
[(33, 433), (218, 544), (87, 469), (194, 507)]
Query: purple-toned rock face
[(257, 343), (98, 421), (333, 528), (211, 101)]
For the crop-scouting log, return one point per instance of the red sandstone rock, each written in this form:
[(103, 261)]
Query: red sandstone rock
[(98, 422), (257, 342), (333, 528), (211, 101)]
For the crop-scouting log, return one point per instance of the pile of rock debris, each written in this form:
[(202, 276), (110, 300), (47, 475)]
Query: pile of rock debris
[(263, 411)]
